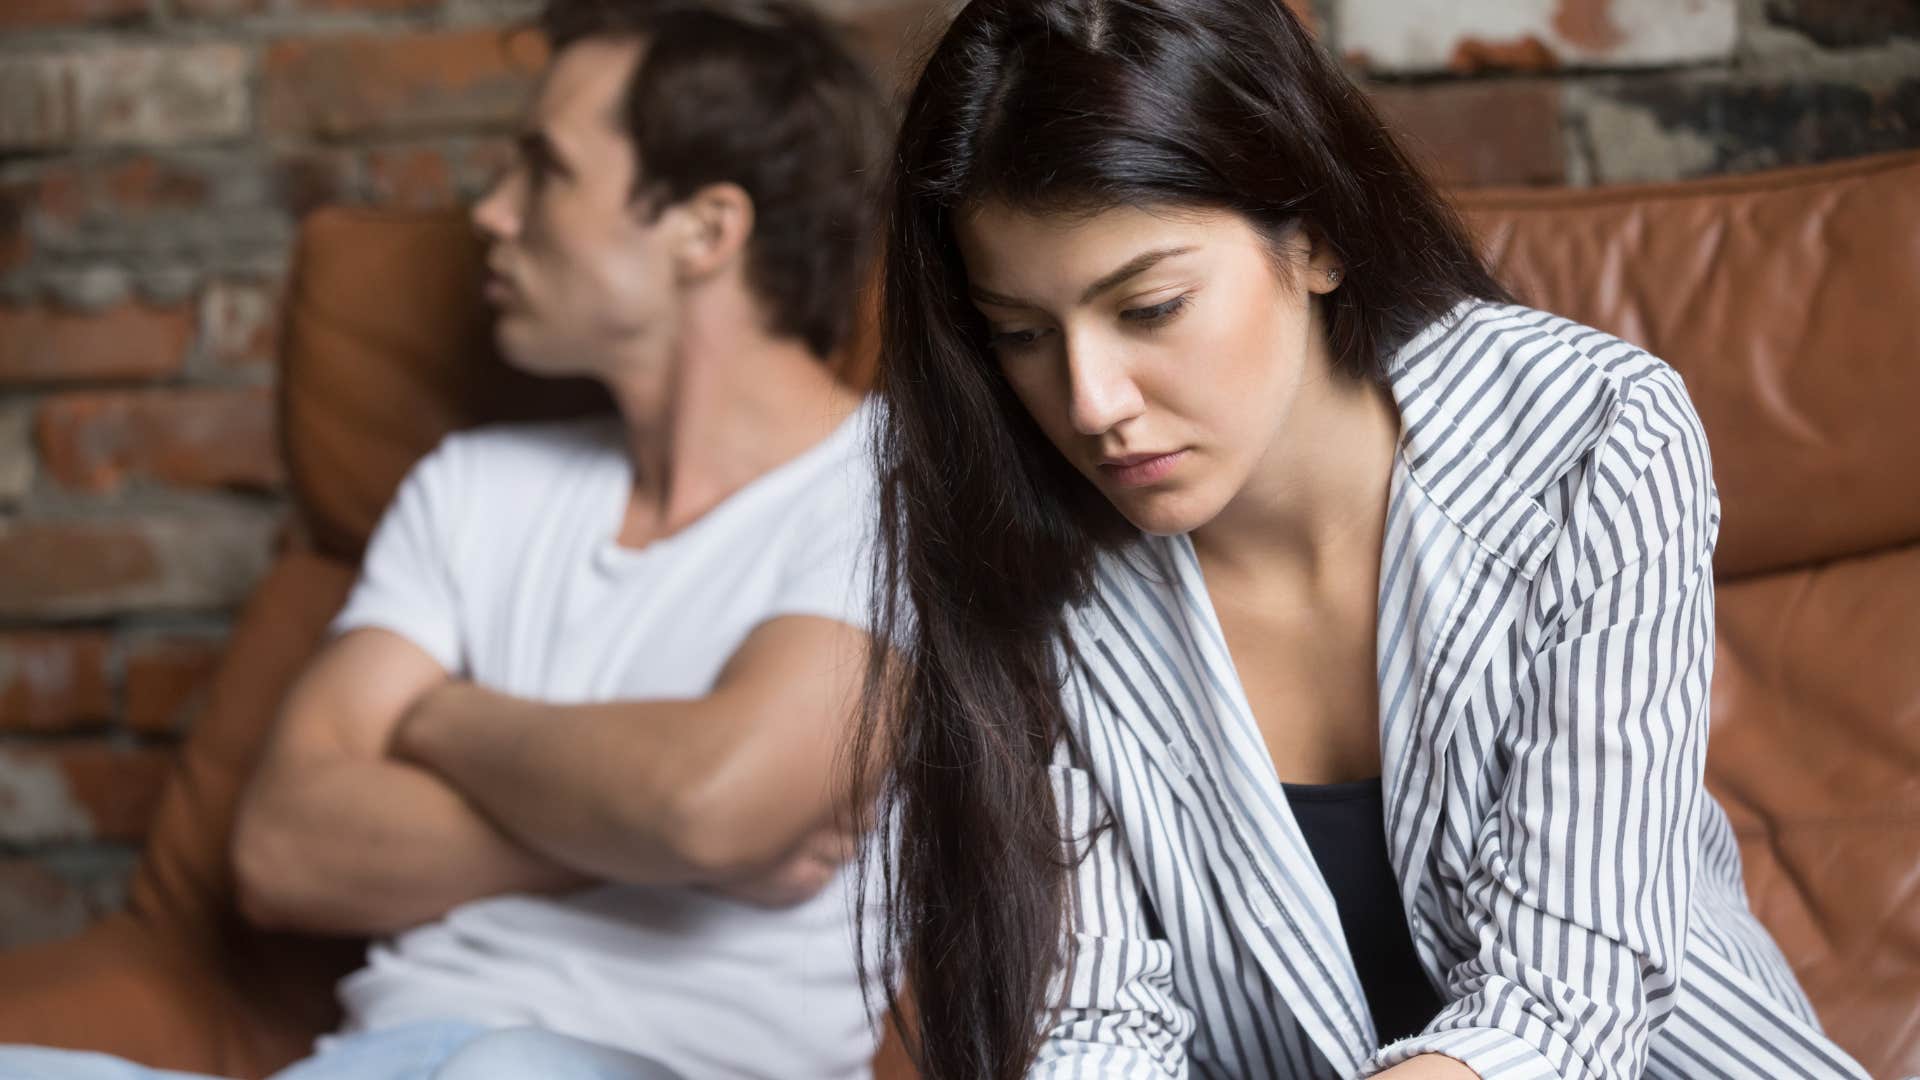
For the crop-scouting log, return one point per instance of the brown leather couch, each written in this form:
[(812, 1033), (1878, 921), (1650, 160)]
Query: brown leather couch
[(1791, 301)]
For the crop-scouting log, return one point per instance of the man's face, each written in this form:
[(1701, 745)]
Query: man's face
[(578, 270)]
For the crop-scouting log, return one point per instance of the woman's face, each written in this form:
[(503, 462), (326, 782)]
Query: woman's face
[(1161, 349)]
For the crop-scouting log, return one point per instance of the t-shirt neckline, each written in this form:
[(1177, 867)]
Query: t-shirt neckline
[(609, 545)]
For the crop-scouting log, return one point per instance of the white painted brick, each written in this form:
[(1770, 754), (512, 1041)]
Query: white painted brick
[(1410, 36), (237, 321), (125, 95), (36, 804)]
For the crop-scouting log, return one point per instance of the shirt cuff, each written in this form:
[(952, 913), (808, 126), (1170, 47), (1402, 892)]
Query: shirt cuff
[(1491, 1052)]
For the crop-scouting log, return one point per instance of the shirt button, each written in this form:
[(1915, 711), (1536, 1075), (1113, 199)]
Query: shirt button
[(1182, 760)]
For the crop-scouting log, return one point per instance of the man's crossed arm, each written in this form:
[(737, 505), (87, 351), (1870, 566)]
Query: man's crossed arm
[(390, 794)]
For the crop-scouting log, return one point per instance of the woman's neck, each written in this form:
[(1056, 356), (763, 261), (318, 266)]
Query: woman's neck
[(1315, 506)]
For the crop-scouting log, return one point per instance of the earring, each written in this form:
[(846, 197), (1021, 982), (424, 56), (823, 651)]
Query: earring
[(1333, 276)]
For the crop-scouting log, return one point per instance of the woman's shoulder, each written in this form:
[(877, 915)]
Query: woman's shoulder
[(1538, 399)]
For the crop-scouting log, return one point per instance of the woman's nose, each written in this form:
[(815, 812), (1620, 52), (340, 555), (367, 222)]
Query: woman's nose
[(1102, 393)]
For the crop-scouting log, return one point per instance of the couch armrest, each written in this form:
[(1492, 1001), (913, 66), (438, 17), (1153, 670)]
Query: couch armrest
[(119, 990), (178, 981)]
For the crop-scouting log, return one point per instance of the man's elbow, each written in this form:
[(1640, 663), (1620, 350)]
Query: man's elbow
[(278, 887), (719, 833), (265, 876)]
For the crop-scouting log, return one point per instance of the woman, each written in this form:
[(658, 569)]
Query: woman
[(1303, 651)]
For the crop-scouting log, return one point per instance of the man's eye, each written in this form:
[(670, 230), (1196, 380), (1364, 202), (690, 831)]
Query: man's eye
[(1157, 314)]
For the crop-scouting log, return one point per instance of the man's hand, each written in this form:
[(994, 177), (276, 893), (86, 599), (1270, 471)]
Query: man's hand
[(1428, 1067)]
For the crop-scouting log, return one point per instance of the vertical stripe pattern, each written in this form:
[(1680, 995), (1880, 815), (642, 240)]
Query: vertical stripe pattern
[(1545, 647)]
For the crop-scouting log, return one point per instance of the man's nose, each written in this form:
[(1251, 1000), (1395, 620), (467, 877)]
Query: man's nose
[(496, 215)]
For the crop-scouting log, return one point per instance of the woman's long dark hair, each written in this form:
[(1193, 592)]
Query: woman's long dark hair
[(987, 535)]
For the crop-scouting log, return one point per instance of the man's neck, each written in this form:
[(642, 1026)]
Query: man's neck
[(738, 403)]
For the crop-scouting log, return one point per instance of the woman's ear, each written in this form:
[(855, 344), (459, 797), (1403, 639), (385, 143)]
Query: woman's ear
[(712, 230), (1325, 270)]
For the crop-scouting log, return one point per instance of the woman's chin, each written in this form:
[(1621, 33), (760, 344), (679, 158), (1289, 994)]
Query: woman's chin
[(1165, 513)]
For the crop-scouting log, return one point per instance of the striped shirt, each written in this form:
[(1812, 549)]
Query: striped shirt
[(1545, 646)]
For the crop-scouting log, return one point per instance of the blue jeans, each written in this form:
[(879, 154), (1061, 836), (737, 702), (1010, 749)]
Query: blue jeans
[(433, 1050)]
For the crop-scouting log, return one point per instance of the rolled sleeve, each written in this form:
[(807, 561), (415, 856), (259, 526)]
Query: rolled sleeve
[(1118, 1015), (1492, 1053)]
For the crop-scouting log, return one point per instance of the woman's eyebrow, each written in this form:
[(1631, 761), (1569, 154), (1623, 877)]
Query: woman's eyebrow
[(1139, 264)]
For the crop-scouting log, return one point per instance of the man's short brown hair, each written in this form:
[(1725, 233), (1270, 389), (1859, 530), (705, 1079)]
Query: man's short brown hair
[(766, 95)]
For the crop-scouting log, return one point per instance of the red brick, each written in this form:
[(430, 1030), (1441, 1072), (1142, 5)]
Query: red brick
[(1446, 126), (24, 14), (1477, 56), (61, 194), (129, 341), (48, 561), (81, 791), (51, 681), (205, 560), (434, 176), (240, 322), (197, 438), (119, 788), (363, 84), (69, 194), (167, 683), (417, 177), (146, 184)]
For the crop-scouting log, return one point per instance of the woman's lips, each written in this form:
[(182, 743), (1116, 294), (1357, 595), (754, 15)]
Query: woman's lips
[(1138, 470)]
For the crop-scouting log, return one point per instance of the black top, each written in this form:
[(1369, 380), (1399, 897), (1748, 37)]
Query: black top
[(1345, 828)]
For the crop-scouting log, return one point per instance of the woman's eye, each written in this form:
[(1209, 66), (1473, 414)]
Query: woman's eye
[(1157, 314), (1012, 339)]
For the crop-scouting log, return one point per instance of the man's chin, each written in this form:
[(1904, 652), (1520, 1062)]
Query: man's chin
[(525, 353)]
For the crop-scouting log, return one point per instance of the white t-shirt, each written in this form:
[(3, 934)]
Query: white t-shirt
[(499, 558)]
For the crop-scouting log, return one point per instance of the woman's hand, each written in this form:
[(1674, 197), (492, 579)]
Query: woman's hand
[(1428, 1067)]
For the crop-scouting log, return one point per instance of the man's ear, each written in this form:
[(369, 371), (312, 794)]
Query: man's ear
[(711, 230)]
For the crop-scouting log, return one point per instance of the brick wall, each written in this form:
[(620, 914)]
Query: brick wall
[(154, 158), (155, 155)]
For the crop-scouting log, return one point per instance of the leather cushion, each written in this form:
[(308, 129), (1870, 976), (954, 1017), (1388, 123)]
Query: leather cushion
[(1786, 300)]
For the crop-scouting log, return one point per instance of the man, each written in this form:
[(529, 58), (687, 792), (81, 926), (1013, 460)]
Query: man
[(570, 752)]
